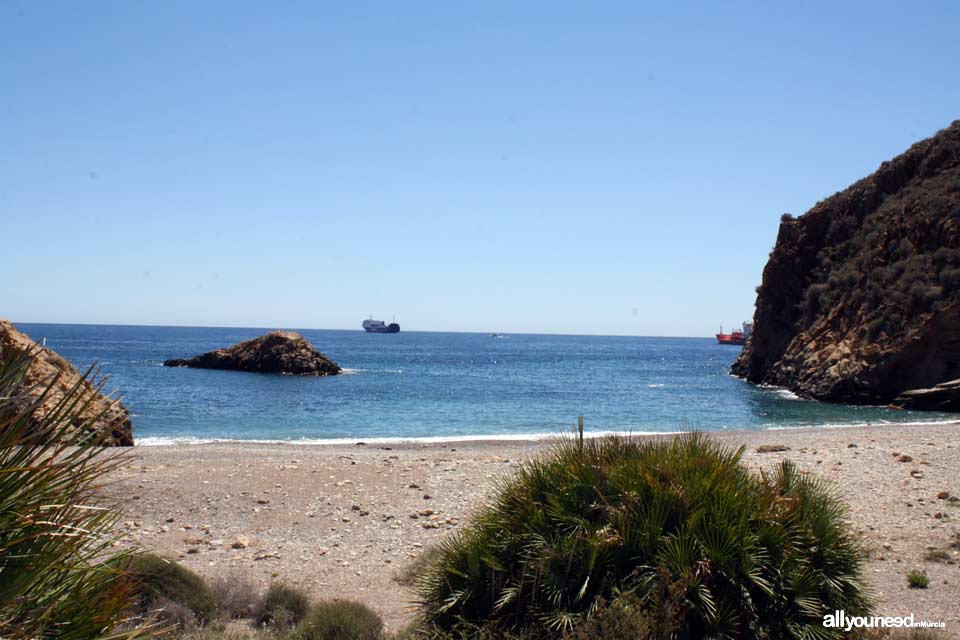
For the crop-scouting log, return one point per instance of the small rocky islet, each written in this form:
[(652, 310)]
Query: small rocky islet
[(283, 352)]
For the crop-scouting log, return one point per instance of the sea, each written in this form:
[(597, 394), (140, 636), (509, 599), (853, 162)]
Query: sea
[(438, 386)]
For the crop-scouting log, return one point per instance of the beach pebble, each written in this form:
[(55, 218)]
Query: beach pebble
[(240, 542), (905, 458), (943, 495)]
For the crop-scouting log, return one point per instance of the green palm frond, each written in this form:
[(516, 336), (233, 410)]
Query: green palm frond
[(679, 528), (55, 526)]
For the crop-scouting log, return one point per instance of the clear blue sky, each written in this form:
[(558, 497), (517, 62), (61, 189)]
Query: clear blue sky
[(556, 167)]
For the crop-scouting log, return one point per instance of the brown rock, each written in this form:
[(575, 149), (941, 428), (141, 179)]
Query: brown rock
[(943, 495), (276, 352), (772, 448), (942, 397), (860, 299), (905, 458), (104, 416)]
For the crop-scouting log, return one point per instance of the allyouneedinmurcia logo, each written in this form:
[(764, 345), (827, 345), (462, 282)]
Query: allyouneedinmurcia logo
[(840, 620)]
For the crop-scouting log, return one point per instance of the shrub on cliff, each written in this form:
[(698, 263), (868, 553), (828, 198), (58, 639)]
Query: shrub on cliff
[(704, 547), (55, 528)]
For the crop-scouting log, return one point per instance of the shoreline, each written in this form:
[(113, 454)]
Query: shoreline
[(512, 438), (343, 520)]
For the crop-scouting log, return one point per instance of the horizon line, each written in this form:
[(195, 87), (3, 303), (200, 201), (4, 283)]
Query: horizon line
[(279, 328)]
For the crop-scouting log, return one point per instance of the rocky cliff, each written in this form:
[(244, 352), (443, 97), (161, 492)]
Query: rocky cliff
[(276, 352), (103, 415), (860, 299)]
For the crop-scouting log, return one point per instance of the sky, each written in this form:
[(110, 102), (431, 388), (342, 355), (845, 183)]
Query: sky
[(542, 167)]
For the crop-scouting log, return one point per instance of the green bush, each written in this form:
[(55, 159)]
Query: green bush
[(340, 620), (56, 530), (159, 580), (918, 579), (282, 606), (705, 546)]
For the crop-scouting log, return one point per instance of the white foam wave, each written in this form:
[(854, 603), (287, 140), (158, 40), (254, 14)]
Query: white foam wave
[(346, 371), (861, 425), (656, 386), (781, 392), (157, 441)]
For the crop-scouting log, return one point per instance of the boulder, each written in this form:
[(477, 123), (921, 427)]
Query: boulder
[(276, 352), (104, 416), (860, 298), (942, 397)]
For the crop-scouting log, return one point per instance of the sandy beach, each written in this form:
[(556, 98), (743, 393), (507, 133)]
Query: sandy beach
[(344, 520)]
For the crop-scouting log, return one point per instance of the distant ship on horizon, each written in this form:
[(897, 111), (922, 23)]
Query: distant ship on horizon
[(737, 337), (379, 326)]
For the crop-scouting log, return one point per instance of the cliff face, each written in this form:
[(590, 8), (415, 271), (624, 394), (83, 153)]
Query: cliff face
[(112, 421), (276, 352), (860, 299)]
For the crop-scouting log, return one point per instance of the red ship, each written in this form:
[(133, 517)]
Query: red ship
[(737, 337)]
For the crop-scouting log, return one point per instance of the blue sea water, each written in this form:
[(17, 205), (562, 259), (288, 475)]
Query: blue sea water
[(438, 385)]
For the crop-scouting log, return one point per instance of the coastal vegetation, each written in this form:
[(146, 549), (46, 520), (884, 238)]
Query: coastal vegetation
[(282, 607), (674, 536), (918, 579), (56, 531), (171, 592)]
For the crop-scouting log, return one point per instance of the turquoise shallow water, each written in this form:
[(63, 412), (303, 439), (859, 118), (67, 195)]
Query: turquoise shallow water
[(423, 385)]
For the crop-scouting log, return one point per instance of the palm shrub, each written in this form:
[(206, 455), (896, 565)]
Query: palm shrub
[(55, 528), (708, 549)]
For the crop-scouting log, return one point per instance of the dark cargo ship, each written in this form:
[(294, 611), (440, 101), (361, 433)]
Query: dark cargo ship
[(378, 326)]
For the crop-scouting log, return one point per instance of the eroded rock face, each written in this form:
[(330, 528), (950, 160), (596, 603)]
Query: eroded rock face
[(860, 300), (276, 352), (112, 419)]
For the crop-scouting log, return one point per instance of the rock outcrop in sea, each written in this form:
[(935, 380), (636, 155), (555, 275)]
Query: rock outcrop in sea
[(860, 300), (102, 415), (276, 352)]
